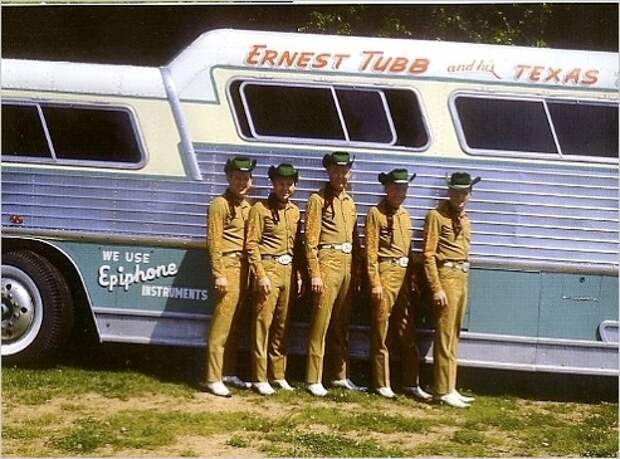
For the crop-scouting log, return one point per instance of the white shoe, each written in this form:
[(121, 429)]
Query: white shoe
[(347, 384), (264, 388), (417, 392), (237, 382), (317, 390), (453, 400), (386, 392), (283, 384), (464, 398), (218, 388)]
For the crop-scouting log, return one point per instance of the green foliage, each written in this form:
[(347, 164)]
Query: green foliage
[(538, 25)]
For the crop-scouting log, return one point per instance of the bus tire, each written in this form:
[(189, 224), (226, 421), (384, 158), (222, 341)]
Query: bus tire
[(37, 309)]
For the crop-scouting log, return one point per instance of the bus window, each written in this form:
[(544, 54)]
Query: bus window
[(365, 116), (408, 118), (585, 129), (505, 125), (22, 132), (336, 115), (92, 134), (69, 134), (307, 112)]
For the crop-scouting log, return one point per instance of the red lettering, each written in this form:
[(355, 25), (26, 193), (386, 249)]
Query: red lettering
[(254, 52), (573, 75), (535, 72), (287, 57), (368, 57), (320, 61), (339, 58), (304, 59), (399, 64), (520, 69), (269, 56), (554, 74), (381, 64), (591, 77), (419, 66)]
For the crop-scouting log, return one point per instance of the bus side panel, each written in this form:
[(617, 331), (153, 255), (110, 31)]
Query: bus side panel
[(504, 302), (145, 294), (574, 305)]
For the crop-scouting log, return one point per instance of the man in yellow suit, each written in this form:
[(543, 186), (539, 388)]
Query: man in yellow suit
[(272, 244), (447, 236), (388, 253), (332, 243), (226, 230)]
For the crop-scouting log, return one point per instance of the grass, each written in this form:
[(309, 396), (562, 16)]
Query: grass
[(124, 410), (33, 387)]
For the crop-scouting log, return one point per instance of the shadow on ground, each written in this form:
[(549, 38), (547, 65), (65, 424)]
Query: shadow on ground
[(186, 366)]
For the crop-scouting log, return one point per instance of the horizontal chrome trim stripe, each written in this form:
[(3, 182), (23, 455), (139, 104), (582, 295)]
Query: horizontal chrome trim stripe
[(146, 313), (175, 241), (484, 260)]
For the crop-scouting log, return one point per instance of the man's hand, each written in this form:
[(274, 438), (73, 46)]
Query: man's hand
[(264, 286), (440, 299), (414, 285), (316, 285), (221, 285), (376, 293), (300, 286)]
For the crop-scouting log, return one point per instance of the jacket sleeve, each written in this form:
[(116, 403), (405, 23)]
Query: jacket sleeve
[(215, 229), (372, 247), (432, 228), (253, 238), (312, 234)]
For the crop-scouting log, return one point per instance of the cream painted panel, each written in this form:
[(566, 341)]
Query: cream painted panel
[(214, 122), (155, 123)]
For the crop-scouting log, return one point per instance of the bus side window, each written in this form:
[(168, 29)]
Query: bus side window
[(92, 134), (505, 125), (554, 127), (586, 129), (305, 113), (69, 134), (22, 132)]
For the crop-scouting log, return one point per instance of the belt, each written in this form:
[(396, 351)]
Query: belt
[(284, 259), (462, 265), (234, 253), (403, 262), (345, 247)]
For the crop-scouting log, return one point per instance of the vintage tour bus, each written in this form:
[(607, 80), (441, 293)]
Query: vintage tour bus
[(107, 172)]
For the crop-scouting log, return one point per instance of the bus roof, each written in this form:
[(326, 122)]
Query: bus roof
[(323, 54)]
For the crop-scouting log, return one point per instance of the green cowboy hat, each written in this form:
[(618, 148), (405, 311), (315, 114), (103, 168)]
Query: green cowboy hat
[(239, 163), (395, 176), (462, 181), (338, 158), (283, 170)]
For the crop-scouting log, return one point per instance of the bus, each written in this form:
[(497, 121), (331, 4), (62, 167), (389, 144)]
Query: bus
[(107, 172)]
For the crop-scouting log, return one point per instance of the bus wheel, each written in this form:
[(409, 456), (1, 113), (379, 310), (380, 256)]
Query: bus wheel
[(37, 308)]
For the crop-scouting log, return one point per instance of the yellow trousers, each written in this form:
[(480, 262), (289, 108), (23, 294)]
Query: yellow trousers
[(447, 329), (331, 311), (393, 316), (225, 322), (271, 323)]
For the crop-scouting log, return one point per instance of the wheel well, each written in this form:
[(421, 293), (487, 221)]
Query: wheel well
[(84, 323)]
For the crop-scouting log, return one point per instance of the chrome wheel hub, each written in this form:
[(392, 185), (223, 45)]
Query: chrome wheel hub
[(22, 310)]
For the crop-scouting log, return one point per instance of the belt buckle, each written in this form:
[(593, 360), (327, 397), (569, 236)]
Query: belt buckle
[(403, 262), (465, 266), (346, 247), (284, 259)]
